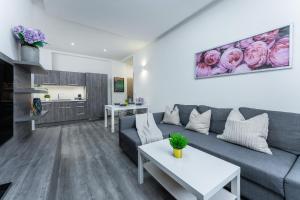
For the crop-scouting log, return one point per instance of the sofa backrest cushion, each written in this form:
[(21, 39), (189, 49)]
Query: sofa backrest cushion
[(284, 128), (184, 112), (218, 117)]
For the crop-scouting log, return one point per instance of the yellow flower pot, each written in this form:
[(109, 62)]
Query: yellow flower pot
[(177, 153)]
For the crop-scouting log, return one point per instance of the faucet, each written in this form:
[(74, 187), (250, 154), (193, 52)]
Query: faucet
[(58, 96)]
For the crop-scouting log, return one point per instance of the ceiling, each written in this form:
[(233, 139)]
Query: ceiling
[(120, 26)]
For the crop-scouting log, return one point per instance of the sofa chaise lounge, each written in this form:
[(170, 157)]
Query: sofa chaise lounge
[(263, 176)]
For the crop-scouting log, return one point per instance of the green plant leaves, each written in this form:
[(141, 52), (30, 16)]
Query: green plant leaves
[(178, 141)]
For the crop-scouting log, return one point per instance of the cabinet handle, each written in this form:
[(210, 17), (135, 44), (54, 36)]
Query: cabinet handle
[(49, 83), (73, 84), (80, 106), (68, 107), (80, 113)]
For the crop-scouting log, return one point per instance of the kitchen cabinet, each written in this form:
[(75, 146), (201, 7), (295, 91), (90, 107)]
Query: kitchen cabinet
[(50, 78), (63, 111), (96, 88), (60, 78), (72, 78), (80, 110), (49, 116)]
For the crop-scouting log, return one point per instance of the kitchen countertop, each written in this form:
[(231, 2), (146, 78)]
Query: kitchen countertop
[(61, 100)]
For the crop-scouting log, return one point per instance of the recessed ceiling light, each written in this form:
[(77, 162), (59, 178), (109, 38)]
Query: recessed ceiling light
[(72, 43), (105, 50)]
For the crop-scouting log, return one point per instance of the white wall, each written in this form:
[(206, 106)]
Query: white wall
[(168, 77), (125, 71), (12, 13)]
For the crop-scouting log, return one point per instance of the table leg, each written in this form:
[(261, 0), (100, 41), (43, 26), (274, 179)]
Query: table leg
[(105, 118), (235, 187), (112, 121), (140, 168)]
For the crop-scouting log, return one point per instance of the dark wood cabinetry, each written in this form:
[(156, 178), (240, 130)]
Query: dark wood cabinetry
[(60, 78), (63, 111), (50, 78), (74, 78), (96, 88)]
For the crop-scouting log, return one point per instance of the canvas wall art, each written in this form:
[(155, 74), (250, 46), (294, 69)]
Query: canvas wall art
[(262, 52), (119, 84)]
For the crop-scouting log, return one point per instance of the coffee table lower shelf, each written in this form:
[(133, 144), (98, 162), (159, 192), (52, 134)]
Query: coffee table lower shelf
[(176, 190)]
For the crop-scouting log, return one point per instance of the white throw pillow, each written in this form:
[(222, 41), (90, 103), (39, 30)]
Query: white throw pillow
[(251, 133), (171, 116), (199, 122)]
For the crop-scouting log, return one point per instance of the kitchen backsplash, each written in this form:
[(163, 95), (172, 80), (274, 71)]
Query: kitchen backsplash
[(63, 92)]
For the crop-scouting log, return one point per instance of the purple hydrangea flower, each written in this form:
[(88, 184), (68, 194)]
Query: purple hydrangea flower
[(29, 36), (18, 29)]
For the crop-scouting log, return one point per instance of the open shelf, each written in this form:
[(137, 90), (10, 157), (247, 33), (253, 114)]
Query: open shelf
[(31, 117), (29, 90), (176, 190), (31, 67)]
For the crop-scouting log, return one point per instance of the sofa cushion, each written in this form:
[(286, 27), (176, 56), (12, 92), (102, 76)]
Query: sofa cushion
[(284, 128), (166, 130), (184, 112), (251, 133), (199, 122), (266, 170), (218, 117), (171, 116), (292, 182)]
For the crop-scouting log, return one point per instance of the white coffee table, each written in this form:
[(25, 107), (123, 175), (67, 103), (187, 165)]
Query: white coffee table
[(113, 108), (196, 176)]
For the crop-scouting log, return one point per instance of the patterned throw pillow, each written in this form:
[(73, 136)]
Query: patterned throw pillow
[(251, 133)]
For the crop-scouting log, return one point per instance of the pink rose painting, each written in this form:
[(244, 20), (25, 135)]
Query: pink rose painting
[(262, 52), (256, 54)]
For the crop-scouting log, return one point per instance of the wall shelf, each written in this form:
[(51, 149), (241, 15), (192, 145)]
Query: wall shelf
[(29, 90), (31, 117), (35, 68)]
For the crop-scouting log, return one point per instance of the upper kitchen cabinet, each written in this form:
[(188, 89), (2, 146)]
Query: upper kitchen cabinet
[(50, 78), (74, 78), (60, 78)]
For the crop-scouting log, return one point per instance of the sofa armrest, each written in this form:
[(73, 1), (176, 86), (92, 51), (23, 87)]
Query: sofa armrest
[(292, 182), (126, 122), (158, 117), (129, 121)]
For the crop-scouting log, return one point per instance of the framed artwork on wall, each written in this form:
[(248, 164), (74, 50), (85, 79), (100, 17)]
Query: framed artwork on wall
[(118, 84), (263, 52)]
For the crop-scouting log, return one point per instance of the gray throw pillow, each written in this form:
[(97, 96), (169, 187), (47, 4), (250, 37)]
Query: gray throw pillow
[(251, 133)]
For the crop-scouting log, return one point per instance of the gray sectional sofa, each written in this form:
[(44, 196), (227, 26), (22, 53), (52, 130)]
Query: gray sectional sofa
[(264, 177)]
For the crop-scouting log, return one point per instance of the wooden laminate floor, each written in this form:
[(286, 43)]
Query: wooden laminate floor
[(93, 166)]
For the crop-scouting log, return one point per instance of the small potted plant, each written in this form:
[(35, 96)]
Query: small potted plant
[(30, 39), (47, 97), (178, 142)]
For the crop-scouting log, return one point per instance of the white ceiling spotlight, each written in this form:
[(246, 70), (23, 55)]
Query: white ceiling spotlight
[(72, 43), (105, 50)]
